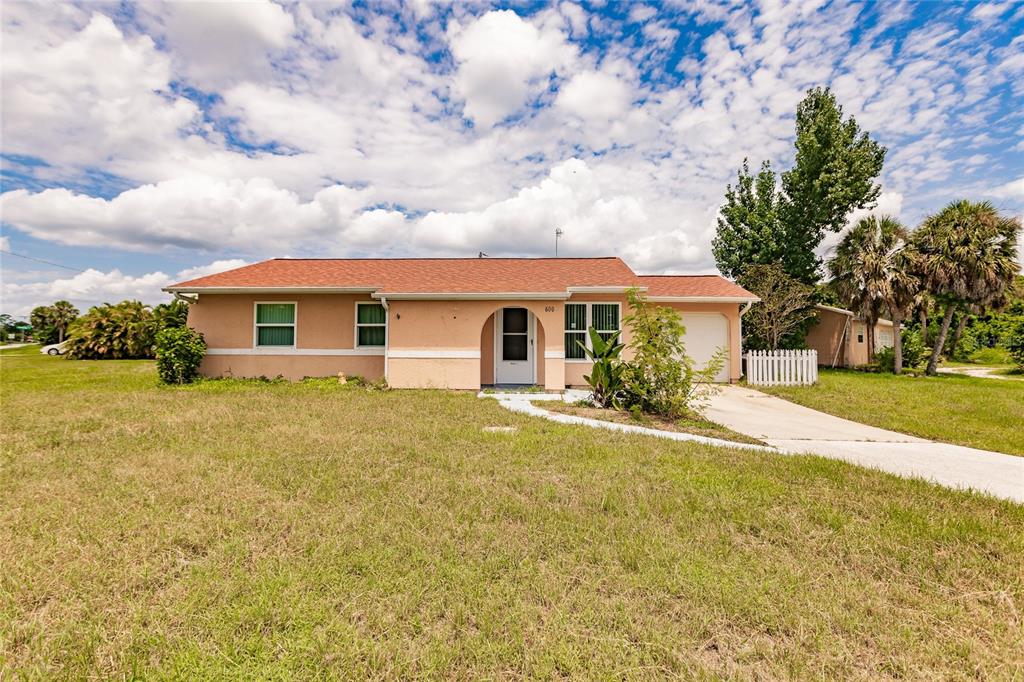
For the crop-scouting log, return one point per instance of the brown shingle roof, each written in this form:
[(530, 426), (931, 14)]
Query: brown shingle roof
[(425, 275), (460, 276), (696, 286)]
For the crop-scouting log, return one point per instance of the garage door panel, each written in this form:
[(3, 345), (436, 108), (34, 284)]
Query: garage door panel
[(706, 333)]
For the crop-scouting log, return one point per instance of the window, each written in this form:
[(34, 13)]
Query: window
[(275, 324), (515, 330), (371, 325), (603, 317), (575, 330)]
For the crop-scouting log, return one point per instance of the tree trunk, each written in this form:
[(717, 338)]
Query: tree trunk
[(60, 335), (955, 339), (871, 340), (933, 363), (897, 345), (923, 316)]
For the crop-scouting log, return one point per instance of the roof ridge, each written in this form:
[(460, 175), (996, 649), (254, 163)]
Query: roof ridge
[(490, 258)]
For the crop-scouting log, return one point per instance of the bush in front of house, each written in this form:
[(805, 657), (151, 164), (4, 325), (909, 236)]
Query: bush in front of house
[(661, 378), (605, 378), (914, 352), (179, 350)]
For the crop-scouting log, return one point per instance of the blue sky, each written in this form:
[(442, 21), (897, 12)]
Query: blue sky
[(146, 143)]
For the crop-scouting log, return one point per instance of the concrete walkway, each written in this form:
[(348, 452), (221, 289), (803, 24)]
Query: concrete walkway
[(523, 402), (796, 429)]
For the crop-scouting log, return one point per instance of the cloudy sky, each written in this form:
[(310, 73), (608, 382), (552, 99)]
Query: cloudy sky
[(146, 143)]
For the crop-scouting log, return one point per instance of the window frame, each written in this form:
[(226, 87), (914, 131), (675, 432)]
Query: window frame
[(589, 306), (256, 324), (356, 325)]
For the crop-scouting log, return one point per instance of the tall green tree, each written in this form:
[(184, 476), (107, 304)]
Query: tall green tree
[(968, 257), (748, 224), (864, 267), (834, 172)]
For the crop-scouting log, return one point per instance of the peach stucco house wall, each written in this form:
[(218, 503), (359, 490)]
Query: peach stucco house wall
[(440, 322), (840, 337)]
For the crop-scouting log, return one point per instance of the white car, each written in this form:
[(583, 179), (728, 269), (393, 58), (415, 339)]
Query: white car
[(53, 349)]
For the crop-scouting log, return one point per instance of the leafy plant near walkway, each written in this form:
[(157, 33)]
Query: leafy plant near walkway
[(661, 378), (179, 352), (605, 378)]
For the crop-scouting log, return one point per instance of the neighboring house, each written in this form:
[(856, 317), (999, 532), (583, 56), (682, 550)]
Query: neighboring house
[(442, 322), (840, 337)]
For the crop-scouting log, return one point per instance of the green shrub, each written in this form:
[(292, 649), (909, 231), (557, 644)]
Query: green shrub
[(661, 378), (179, 350), (914, 352), (1015, 344), (113, 332), (605, 378)]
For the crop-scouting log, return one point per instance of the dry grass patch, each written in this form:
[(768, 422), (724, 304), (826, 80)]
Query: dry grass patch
[(239, 530)]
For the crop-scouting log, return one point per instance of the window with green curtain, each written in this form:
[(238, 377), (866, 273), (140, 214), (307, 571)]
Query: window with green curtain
[(275, 324), (575, 330), (605, 319), (275, 336), (371, 323), (372, 314), (275, 313)]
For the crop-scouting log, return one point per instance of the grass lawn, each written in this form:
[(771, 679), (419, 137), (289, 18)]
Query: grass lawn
[(977, 412), (239, 530), (693, 424)]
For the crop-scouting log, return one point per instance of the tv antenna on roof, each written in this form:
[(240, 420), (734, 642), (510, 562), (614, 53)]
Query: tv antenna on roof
[(558, 233), (481, 254)]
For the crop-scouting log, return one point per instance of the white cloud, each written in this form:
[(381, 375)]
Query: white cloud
[(5, 243), (84, 290), (503, 59), (195, 213), (94, 287), (365, 120), (223, 42), (594, 95), (92, 97), (214, 267), (1011, 190)]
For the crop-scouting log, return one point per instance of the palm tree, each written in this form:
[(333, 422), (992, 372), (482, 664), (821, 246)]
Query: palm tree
[(968, 257), (865, 265), (904, 294), (62, 314)]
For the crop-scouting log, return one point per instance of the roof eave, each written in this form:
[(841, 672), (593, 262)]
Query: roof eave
[(704, 299), (269, 290), (471, 296), (618, 289)]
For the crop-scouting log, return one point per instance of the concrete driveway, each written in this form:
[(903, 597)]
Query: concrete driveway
[(796, 429)]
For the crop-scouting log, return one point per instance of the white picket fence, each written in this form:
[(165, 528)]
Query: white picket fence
[(782, 367)]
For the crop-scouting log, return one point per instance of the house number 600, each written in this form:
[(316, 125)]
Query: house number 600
[(549, 308)]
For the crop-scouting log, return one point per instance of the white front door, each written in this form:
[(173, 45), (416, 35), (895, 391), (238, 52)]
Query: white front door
[(513, 346)]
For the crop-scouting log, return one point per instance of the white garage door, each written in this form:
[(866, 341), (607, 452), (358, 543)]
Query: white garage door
[(705, 334)]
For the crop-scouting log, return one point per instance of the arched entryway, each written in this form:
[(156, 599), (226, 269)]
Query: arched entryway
[(512, 348)]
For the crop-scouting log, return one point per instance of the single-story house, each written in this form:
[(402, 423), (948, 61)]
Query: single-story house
[(442, 322), (840, 337)]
